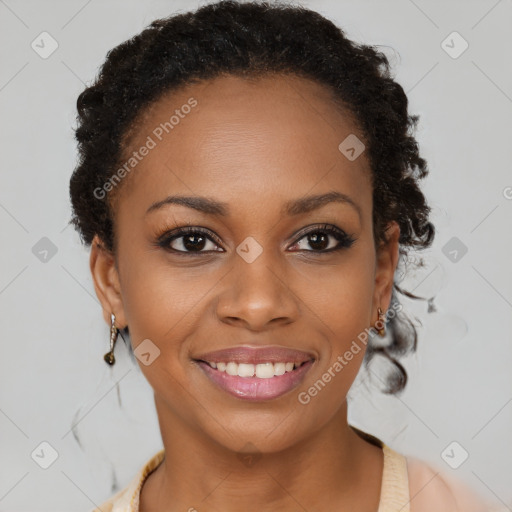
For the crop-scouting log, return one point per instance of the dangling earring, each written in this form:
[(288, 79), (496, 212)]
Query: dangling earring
[(382, 330), (114, 331)]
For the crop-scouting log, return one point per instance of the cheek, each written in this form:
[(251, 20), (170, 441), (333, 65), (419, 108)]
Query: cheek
[(163, 302), (342, 310), (341, 305), (341, 295)]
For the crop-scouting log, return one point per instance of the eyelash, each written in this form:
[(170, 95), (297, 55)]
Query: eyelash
[(164, 240)]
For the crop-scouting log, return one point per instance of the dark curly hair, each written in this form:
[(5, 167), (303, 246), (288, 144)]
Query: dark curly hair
[(253, 39)]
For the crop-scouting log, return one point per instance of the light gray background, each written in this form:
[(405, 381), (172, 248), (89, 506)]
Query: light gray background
[(53, 336)]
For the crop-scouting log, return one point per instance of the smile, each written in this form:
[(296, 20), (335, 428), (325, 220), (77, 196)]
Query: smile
[(256, 374), (261, 371)]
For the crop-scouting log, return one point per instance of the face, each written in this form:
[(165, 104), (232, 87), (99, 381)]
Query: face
[(278, 264)]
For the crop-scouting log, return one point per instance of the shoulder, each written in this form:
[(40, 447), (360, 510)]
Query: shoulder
[(119, 502), (108, 506), (104, 507), (127, 498), (430, 489)]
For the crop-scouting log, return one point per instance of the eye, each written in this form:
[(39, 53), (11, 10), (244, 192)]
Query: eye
[(189, 240), (325, 238)]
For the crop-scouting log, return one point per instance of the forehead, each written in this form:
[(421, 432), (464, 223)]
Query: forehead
[(232, 137)]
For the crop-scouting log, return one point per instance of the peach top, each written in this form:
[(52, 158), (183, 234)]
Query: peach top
[(408, 485)]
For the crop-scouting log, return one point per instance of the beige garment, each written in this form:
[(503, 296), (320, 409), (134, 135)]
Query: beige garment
[(408, 485)]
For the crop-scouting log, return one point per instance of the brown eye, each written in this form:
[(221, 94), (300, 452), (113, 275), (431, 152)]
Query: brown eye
[(324, 239), (189, 240)]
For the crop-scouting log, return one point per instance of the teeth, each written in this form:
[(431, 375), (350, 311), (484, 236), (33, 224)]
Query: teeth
[(265, 370), (232, 369), (245, 370), (262, 370), (279, 368)]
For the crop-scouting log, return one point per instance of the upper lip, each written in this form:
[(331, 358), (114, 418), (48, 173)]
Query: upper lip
[(256, 355)]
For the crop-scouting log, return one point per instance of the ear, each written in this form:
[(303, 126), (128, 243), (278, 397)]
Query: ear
[(106, 282), (387, 260)]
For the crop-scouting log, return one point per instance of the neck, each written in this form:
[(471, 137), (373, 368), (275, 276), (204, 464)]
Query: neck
[(334, 466)]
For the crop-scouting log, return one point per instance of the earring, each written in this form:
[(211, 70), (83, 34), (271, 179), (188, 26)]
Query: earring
[(114, 331), (382, 330)]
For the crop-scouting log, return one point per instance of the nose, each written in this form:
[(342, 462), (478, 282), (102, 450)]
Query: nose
[(257, 296)]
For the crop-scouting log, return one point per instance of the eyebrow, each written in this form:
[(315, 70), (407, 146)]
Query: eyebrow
[(291, 208)]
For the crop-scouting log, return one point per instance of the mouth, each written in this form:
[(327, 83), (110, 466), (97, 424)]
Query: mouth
[(256, 374)]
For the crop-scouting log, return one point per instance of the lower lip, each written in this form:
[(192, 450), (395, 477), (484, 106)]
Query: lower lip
[(254, 388)]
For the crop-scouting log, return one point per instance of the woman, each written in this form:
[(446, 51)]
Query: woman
[(247, 183)]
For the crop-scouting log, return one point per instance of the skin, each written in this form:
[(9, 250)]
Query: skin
[(253, 145)]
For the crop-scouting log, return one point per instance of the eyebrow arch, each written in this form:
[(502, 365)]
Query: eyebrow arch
[(291, 208), (310, 203)]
